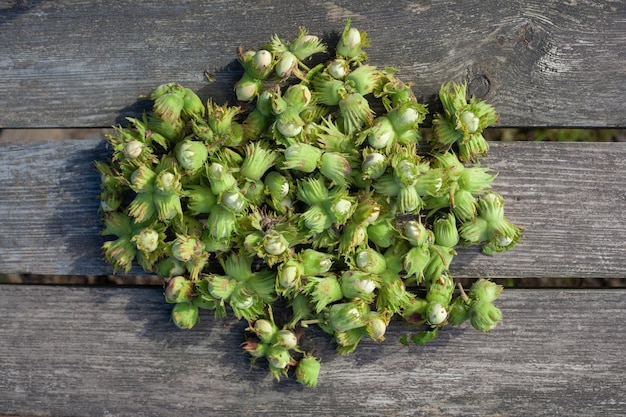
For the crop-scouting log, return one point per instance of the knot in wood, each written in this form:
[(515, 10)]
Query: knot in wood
[(479, 86)]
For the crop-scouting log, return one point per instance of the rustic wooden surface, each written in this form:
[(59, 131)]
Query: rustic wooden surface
[(83, 63), (568, 196), (71, 351), (77, 351)]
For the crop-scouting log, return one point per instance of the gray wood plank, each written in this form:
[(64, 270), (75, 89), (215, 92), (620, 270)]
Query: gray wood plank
[(568, 196), (69, 351), (76, 63)]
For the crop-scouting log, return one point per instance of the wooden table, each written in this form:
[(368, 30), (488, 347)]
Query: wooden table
[(98, 351)]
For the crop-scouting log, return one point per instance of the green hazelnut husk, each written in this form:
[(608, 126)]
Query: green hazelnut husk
[(179, 290), (168, 107), (459, 311), (485, 290), (347, 316), (358, 284), (376, 326), (191, 155), (319, 190), (265, 329), (323, 291), (185, 315), (307, 370), (436, 314), (371, 261), (302, 157), (315, 262), (445, 230), (484, 316), (289, 274), (278, 357), (287, 339)]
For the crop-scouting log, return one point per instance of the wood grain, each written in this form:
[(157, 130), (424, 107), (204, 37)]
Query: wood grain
[(568, 197), (78, 63), (70, 351), (77, 351)]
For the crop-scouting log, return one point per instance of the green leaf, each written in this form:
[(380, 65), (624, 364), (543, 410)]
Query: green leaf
[(424, 336)]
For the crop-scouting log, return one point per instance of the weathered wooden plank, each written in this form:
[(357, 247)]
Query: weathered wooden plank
[(82, 63), (568, 196), (95, 351)]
